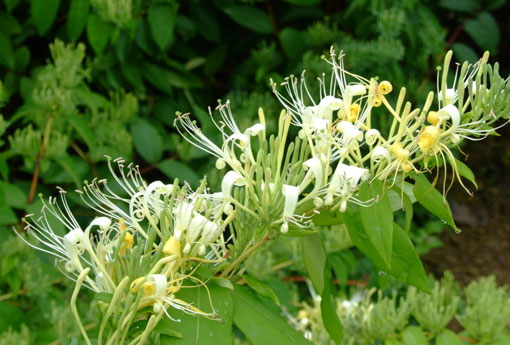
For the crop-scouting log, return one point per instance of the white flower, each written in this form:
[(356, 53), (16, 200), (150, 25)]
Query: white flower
[(230, 180), (344, 182), (291, 195), (157, 291)]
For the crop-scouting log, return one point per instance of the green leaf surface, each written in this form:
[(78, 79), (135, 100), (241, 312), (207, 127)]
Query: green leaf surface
[(261, 288), (314, 259), (161, 19), (259, 323), (377, 219), (447, 337), (460, 5), (466, 172), (198, 330), (414, 335), (44, 13), (292, 43), (98, 33), (206, 22), (250, 17), (430, 198), (147, 140), (329, 314), (406, 266), (78, 14), (327, 218), (484, 31), (14, 196), (6, 52), (8, 24), (11, 4), (175, 169), (463, 52), (82, 126)]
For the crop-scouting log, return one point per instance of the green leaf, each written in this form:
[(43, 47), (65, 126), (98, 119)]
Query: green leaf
[(314, 259), (328, 310), (147, 140), (164, 79), (261, 288), (340, 267), (6, 52), (98, 33), (215, 59), (406, 266), (432, 200), (143, 37), (175, 169), (260, 324), (292, 42), (9, 25), (377, 219), (68, 164), (44, 13), (162, 22), (484, 31), (447, 337), (327, 218), (78, 14), (22, 56), (198, 330), (250, 17), (206, 22), (11, 316), (82, 126), (414, 335), (465, 172), (14, 196), (7, 215), (11, 4), (460, 5), (463, 52)]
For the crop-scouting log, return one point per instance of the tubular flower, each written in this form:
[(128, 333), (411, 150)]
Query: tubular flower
[(291, 195), (428, 140)]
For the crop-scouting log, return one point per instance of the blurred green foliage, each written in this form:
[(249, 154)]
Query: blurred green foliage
[(81, 79)]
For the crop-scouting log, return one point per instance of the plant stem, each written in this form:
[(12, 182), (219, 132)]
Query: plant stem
[(38, 159), (243, 256)]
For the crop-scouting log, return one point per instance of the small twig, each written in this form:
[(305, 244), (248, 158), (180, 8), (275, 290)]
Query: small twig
[(270, 12), (243, 256), (38, 159), (85, 157)]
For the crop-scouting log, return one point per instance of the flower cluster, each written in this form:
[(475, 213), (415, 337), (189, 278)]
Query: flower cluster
[(150, 239), (143, 248)]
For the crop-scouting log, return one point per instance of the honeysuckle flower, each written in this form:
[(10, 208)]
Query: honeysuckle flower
[(231, 179), (337, 97), (291, 195), (372, 136), (344, 181), (315, 168), (160, 293), (464, 81), (74, 250), (380, 154), (350, 134)]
